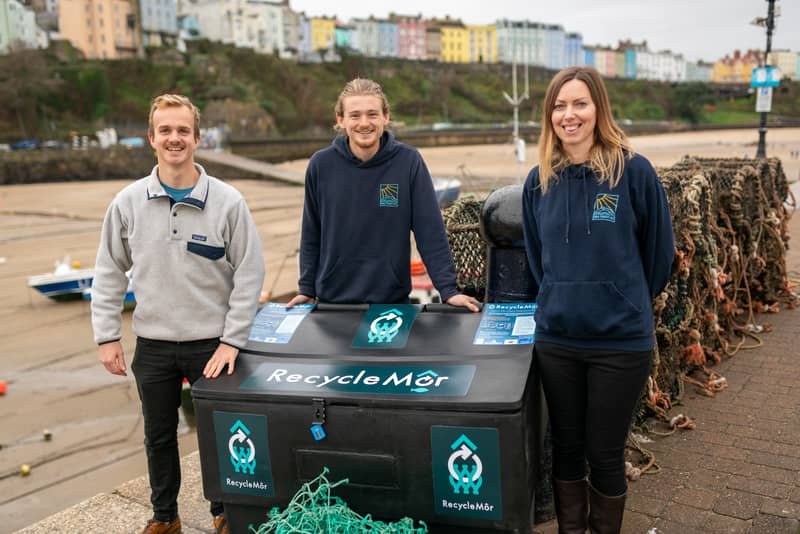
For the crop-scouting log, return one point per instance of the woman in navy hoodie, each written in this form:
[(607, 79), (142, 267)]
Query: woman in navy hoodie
[(599, 241)]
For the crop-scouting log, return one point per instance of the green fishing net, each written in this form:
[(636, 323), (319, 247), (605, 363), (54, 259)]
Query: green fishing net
[(313, 510)]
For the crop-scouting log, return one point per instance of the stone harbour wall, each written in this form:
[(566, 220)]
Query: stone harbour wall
[(115, 163)]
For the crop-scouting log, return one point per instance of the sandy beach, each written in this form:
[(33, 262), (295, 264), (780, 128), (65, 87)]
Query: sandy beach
[(490, 162), (49, 360)]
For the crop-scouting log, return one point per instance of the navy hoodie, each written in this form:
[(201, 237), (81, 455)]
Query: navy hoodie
[(357, 219), (598, 255)]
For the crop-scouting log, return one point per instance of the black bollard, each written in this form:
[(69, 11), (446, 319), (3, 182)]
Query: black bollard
[(508, 276)]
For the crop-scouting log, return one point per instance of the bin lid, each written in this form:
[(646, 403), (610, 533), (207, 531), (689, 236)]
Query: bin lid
[(439, 366)]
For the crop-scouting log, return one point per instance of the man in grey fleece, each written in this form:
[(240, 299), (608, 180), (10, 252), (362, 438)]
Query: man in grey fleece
[(197, 270)]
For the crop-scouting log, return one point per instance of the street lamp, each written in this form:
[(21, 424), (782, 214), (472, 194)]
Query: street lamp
[(516, 100), (769, 22)]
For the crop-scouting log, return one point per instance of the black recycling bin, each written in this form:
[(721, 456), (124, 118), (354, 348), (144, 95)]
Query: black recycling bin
[(441, 430)]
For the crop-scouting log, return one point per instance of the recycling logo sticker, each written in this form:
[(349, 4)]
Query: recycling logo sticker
[(385, 326), (466, 476), (243, 453), (466, 472)]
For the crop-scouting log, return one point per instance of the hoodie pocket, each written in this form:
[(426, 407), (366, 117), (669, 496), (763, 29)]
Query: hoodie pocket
[(587, 310), (207, 251), (361, 280)]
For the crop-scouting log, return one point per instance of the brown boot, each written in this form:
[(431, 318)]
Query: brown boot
[(157, 527), (221, 524), (572, 505), (605, 513)]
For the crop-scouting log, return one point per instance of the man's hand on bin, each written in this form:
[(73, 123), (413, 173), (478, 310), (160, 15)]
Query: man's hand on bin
[(464, 301), (113, 358), (224, 355), (300, 299)]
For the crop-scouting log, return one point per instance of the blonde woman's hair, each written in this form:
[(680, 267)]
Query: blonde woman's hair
[(359, 86), (171, 101), (610, 146)]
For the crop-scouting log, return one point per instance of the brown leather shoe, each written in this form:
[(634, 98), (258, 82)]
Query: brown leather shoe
[(157, 527), (221, 524)]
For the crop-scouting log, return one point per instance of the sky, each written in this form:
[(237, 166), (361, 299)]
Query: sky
[(699, 29)]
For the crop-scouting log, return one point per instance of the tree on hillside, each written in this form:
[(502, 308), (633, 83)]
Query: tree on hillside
[(24, 79), (96, 91), (689, 99)]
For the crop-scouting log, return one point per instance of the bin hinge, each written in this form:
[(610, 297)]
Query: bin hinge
[(319, 411)]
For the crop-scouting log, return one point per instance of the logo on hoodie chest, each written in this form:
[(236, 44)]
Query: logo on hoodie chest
[(605, 207), (388, 195)]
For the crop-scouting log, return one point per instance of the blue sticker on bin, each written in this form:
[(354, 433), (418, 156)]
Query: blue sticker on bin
[(275, 324), (510, 323)]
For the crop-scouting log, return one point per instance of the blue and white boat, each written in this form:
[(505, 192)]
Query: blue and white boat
[(67, 282), (128, 301), (447, 190)]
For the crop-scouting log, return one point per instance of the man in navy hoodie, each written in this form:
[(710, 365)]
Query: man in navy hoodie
[(363, 196)]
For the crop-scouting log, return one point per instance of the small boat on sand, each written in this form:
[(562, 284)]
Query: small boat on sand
[(447, 190), (128, 301), (66, 282)]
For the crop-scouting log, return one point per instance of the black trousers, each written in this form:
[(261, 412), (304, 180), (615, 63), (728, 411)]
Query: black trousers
[(591, 395), (159, 368)]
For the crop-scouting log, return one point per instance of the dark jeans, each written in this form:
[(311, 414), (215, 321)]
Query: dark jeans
[(591, 395), (159, 368)]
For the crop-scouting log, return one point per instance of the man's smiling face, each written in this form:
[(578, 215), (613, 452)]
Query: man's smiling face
[(364, 121), (173, 137)]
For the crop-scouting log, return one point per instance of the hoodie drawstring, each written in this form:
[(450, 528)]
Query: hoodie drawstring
[(566, 231), (586, 206)]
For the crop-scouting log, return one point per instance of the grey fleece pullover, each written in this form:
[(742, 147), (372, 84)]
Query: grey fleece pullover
[(196, 264)]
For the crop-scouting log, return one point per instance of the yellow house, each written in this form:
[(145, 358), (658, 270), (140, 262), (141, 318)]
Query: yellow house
[(323, 33), (743, 69), (101, 29), (482, 44), (721, 72), (736, 69), (455, 44)]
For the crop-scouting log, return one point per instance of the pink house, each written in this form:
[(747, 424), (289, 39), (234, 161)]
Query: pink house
[(410, 36)]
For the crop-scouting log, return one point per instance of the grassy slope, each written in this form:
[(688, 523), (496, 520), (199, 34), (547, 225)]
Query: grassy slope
[(84, 95)]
